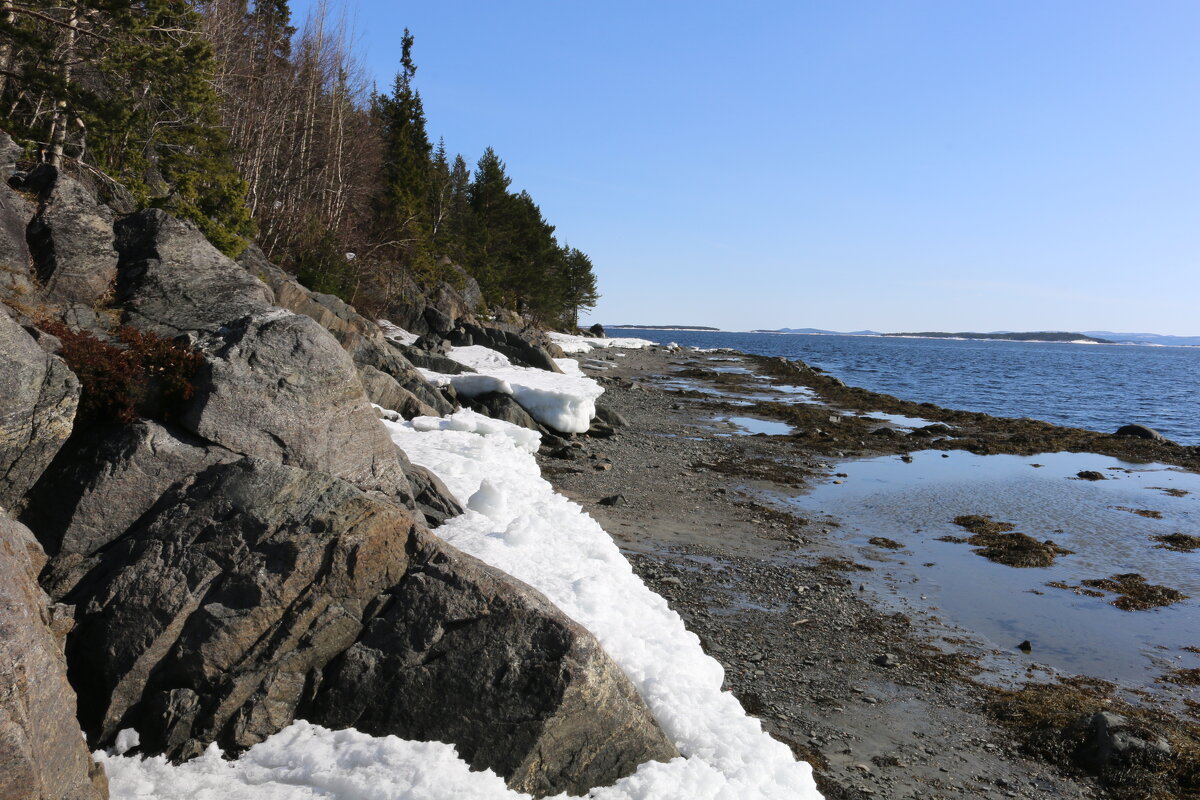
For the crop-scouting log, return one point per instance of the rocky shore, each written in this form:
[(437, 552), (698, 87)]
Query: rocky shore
[(884, 704)]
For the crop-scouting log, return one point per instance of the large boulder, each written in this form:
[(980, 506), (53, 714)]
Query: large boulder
[(462, 653), (173, 281), (42, 754), (260, 594), (102, 481), (358, 336), (38, 398), (277, 386), (71, 240)]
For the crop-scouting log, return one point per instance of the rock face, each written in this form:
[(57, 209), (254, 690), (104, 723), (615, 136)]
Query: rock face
[(100, 484), (383, 390), (278, 386), (360, 337), (42, 754), (459, 653), (15, 258), (263, 593), (71, 240), (38, 398), (173, 281)]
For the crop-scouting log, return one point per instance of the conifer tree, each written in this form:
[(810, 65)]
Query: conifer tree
[(402, 212)]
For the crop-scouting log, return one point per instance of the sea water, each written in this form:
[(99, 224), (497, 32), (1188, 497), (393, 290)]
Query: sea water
[(1099, 387)]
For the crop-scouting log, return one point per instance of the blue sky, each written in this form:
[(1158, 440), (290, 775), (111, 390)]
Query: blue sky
[(894, 165)]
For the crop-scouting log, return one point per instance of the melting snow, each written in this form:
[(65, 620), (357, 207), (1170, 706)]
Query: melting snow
[(565, 402), (585, 344)]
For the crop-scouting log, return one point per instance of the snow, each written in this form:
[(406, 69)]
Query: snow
[(565, 402), (396, 333), (585, 344), (515, 521)]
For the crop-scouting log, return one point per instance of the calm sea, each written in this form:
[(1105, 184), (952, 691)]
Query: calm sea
[(1100, 387)]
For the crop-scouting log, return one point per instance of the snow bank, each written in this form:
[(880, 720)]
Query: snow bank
[(515, 521), (396, 333), (585, 344), (565, 402)]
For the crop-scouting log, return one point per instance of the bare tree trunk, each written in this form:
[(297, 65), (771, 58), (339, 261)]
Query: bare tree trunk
[(6, 13), (58, 129)]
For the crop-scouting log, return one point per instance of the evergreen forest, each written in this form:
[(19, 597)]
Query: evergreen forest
[(256, 128)]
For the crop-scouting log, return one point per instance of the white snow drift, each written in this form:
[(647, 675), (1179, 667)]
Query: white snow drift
[(585, 344), (565, 402)]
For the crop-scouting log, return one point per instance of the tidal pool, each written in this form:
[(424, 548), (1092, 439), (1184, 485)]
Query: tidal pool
[(915, 504), (744, 426)]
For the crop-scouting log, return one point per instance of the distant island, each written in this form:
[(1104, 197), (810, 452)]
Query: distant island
[(667, 327), (1026, 336)]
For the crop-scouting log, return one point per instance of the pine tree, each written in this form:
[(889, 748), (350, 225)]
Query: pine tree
[(402, 208), (578, 285)]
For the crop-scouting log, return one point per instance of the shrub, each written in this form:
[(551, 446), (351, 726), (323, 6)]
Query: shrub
[(147, 377)]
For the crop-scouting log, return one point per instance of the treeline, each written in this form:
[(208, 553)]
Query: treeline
[(226, 113)]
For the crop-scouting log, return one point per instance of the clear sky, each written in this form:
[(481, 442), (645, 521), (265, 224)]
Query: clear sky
[(895, 165)]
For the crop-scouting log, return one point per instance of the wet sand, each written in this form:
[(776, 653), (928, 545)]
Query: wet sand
[(825, 636)]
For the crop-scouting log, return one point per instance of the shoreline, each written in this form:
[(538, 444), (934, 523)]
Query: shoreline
[(882, 703)]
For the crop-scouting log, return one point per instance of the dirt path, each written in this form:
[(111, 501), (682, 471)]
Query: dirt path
[(881, 704)]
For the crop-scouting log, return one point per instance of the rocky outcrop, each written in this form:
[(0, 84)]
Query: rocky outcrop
[(277, 386), (15, 258), (100, 484), (431, 496), (261, 593), (172, 281), (461, 653), (38, 398), (359, 336), (42, 754), (71, 240)]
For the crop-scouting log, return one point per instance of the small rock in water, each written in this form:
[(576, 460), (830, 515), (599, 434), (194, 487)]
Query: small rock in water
[(1090, 475), (1140, 432), (1025, 647), (906, 459)]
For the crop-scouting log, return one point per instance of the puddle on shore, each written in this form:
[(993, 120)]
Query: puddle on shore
[(746, 426), (915, 503), (899, 420)]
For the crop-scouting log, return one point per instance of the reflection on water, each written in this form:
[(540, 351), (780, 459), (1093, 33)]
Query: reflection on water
[(915, 503), (745, 426)]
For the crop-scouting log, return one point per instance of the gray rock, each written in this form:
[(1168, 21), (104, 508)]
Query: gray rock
[(71, 240), (498, 405), (221, 603), (435, 362), (15, 259), (611, 417), (101, 483), (42, 754), (383, 390), (1111, 741), (437, 320), (1090, 475), (1140, 432), (277, 386), (597, 330), (359, 336), (613, 500), (10, 154), (38, 398), (462, 653), (172, 280), (432, 498), (261, 594)]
